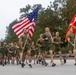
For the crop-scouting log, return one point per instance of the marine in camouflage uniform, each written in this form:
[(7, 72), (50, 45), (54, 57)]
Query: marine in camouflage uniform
[(24, 42), (57, 42), (0, 49), (17, 51), (48, 44), (5, 52), (11, 51), (33, 51), (70, 45), (8, 53), (74, 50), (24, 39), (40, 44), (41, 49), (2, 53)]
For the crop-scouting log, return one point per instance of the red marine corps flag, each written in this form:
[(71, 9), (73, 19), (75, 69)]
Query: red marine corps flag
[(71, 25), (28, 22)]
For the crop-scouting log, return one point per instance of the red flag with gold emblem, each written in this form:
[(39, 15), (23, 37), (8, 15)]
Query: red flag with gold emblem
[(71, 25)]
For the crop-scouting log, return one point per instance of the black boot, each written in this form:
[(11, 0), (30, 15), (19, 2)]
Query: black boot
[(0, 63), (30, 65), (3, 64), (46, 64), (22, 65), (64, 60), (53, 64), (37, 62), (75, 64)]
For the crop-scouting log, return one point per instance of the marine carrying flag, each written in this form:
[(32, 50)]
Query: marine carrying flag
[(71, 25), (28, 22)]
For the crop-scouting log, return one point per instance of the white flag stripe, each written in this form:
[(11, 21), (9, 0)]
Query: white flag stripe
[(20, 35), (19, 24), (18, 28), (25, 24), (32, 27), (24, 27), (30, 33)]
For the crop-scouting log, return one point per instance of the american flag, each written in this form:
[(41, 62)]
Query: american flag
[(28, 22)]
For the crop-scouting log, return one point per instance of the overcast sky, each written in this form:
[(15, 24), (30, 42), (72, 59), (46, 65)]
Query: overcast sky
[(9, 11)]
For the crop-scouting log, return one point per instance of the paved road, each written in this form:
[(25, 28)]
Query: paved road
[(67, 69)]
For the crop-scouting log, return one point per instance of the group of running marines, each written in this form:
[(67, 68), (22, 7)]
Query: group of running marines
[(26, 50)]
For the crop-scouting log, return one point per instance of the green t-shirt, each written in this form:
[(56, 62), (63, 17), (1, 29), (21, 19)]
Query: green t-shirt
[(24, 37), (12, 49), (41, 42), (57, 39), (46, 41), (70, 47), (71, 36), (33, 47)]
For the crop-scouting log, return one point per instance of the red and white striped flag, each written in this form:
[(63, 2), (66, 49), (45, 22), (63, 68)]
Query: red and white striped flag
[(28, 23)]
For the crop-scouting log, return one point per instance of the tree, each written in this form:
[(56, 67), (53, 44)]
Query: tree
[(25, 11), (10, 35), (66, 10), (56, 16)]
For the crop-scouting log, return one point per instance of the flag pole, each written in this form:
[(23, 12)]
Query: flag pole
[(23, 49)]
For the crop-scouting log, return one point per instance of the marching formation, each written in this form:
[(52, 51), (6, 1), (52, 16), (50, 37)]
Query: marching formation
[(26, 50)]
